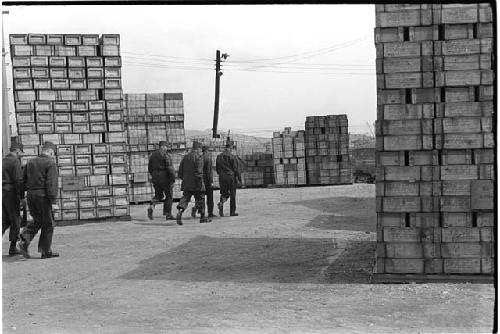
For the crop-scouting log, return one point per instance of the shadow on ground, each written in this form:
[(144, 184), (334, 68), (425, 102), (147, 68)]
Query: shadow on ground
[(256, 260), (345, 213)]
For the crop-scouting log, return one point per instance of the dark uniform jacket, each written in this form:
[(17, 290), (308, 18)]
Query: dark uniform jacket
[(208, 173), (160, 167), (12, 175), (191, 172), (40, 177), (227, 164)]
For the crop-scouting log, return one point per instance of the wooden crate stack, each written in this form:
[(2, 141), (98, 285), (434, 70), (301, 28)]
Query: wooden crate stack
[(327, 150), (435, 142), (289, 157), (151, 118), (67, 89), (259, 170)]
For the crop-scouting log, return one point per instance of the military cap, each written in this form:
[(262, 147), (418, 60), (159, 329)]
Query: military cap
[(196, 145), (49, 145), (163, 143), (16, 146)]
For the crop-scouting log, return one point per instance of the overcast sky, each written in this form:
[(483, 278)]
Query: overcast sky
[(285, 61)]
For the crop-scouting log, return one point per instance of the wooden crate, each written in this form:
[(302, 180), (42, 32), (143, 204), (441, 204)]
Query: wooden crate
[(21, 61), (100, 169), (90, 39), (404, 18), (120, 211), (97, 180), (87, 213), (69, 214), (60, 83), (105, 212), (83, 170), (64, 51), (25, 117), (58, 62), (72, 39), (100, 148)]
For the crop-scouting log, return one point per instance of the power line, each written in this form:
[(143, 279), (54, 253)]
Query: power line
[(165, 56), (230, 65), (302, 53)]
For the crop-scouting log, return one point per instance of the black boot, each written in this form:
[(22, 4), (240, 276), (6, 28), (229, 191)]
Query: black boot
[(23, 248), (193, 212), (179, 217), (233, 214), (13, 249), (221, 209), (49, 255), (150, 212), (204, 219)]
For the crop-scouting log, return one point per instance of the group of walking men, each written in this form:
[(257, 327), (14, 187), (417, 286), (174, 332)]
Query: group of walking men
[(196, 173), (39, 180)]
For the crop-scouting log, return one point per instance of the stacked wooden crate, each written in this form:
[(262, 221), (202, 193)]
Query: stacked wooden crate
[(327, 150), (67, 90), (435, 142), (259, 170), (149, 119), (289, 157)]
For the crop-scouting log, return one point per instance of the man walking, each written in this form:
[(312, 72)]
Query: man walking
[(163, 178), (227, 167), (191, 173), (40, 178), (208, 178), (12, 195)]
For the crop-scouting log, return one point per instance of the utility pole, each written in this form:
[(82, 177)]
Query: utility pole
[(217, 88), (218, 74), (5, 101)]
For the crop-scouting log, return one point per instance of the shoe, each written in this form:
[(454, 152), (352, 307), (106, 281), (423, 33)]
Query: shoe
[(169, 217), (49, 255), (234, 214), (14, 251), (221, 209), (23, 249), (193, 212), (205, 220), (179, 218), (211, 215), (150, 212)]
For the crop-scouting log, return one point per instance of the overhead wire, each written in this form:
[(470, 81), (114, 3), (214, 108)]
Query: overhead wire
[(285, 62)]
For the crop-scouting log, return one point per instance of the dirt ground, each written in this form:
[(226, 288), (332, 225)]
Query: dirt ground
[(296, 260)]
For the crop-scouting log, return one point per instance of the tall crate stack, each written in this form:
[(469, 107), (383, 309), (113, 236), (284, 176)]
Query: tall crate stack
[(67, 90), (151, 118), (435, 142), (259, 170), (289, 157), (327, 150)]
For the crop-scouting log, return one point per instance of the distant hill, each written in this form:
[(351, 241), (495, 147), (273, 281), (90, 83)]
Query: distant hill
[(245, 144), (361, 141)]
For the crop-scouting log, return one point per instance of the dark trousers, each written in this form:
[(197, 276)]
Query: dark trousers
[(210, 200), (43, 218), (228, 190), (10, 215), (166, 189), (199, 197)]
